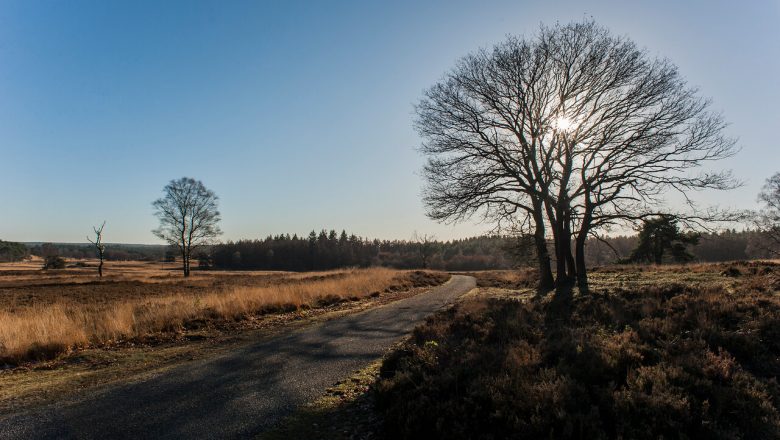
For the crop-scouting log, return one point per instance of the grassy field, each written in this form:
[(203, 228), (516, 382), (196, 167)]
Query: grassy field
[(44, 314)]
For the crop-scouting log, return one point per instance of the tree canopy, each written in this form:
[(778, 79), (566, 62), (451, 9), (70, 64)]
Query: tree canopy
[(661, 236)]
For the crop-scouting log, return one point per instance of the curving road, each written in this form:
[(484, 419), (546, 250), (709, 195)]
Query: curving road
[(240, 394)]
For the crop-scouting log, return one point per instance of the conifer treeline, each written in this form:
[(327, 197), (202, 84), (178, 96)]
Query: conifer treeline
[(11, 251), (330, 250)]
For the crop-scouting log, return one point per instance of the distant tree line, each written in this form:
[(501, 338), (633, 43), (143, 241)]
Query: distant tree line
[(330, 250), (113, 252), (11, 251), (727, 245)]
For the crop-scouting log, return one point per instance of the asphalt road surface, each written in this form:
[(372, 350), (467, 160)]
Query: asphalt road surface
[(239, 394)]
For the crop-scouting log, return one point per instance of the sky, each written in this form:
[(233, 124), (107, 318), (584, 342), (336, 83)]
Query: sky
[(299, 114)]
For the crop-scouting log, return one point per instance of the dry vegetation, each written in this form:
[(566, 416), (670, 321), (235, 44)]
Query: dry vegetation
[(653, 352), (45, 314)]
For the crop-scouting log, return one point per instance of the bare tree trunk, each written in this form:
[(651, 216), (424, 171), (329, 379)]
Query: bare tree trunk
[(100, 267), (555, 217), (571, 266), (546, 280), (542, 254), (582, 236), (184, 250), (582, 274), (184, 260), (560, 259), (563, 257), (564, 261)]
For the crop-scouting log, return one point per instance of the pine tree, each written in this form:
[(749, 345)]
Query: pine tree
[(662, 235)]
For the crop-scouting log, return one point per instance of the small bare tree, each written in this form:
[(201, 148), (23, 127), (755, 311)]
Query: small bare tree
[(188, 217), (767, 219), (426, 246), (99, 246)]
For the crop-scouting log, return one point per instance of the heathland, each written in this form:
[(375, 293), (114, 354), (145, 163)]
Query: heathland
[(652, 352)]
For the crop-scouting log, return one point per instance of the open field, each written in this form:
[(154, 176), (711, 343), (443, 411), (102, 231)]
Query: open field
[(46, 313), (25, 284), (651, 351)]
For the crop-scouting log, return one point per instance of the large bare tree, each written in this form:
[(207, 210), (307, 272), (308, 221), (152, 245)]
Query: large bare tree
[(188, 217), (569, 132)]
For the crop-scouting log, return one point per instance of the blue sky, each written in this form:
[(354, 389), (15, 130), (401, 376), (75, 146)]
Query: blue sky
[(298, 115)]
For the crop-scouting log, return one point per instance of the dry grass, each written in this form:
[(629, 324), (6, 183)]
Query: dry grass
[(39, 330), (20, 289), (524, 278)]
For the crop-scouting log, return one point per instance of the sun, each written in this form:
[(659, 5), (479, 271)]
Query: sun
[(562, 123)]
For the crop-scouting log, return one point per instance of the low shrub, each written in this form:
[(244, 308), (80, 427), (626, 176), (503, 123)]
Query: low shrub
[(53, 262), (670, 361)]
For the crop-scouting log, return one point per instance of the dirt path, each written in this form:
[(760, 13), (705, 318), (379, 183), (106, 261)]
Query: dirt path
[(240, 394)]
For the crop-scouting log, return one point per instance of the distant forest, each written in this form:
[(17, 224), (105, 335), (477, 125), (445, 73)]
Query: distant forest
[(329, 250), (11, 251), (114, 252)]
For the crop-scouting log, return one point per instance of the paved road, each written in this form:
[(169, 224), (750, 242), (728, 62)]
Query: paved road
[(239, 394)]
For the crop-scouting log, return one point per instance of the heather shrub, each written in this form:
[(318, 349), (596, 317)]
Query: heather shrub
[(53, 262), (673, 361)]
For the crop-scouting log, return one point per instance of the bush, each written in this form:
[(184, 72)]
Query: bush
[(53, 262), (664, 362)]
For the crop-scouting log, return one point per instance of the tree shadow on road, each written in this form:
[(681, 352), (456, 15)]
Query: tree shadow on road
[(345, 411)]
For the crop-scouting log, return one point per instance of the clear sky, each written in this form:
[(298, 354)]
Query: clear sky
[(298, 115)]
